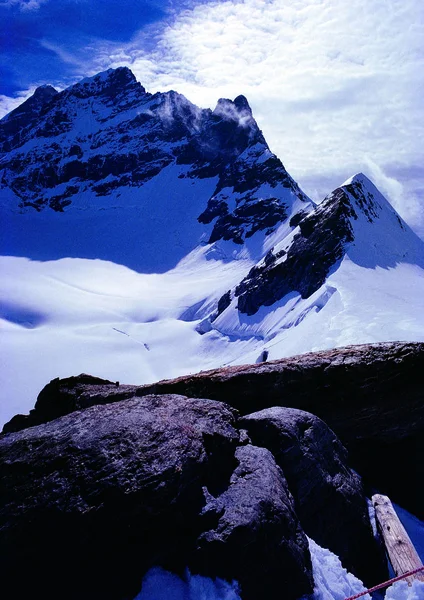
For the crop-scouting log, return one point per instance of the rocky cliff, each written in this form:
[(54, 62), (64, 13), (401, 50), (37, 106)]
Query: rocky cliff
[(370, 395)]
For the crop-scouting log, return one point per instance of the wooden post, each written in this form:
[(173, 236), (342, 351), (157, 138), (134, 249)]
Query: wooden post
[(400, 549)]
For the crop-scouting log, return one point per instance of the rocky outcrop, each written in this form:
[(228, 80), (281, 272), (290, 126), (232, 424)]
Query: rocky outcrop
[(254, 525), (92, 500), (355, 220), (370, 395), (329, 497), (317, 246), (63, 396)]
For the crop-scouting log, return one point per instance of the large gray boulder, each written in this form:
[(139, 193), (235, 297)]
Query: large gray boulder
[(92, 500), (329, 497), (255, 533)]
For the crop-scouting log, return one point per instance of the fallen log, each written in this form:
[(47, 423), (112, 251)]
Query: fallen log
[(400, 550)]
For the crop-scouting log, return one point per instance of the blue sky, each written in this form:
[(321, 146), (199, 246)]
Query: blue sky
[(41, 38), (337, 86)]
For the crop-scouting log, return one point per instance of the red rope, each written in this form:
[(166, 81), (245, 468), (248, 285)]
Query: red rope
[(386, 583)]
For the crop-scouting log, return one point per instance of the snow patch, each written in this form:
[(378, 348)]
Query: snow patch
[(401, 591), (162, 585), (332, 581)]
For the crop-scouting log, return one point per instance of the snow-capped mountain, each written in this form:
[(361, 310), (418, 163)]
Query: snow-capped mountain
[(146, 238), (158, 168)]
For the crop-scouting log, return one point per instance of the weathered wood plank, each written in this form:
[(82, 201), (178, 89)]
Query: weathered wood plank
[(400, 549)]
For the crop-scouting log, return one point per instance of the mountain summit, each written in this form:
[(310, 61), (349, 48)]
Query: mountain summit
[(162, 165), (207, 252)]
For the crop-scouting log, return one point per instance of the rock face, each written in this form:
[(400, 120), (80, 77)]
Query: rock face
[(93, 499), (63, 396), (302, 267), (328, 495), (355, 219), (255, 511), (370, 395)]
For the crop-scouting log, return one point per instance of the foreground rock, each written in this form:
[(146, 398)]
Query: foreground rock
[(329, 498), (256, 506), (370, 395), (63, 396), (93, 499)]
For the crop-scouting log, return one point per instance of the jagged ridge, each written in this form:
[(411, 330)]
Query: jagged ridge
[(106, 134), (355, 219)]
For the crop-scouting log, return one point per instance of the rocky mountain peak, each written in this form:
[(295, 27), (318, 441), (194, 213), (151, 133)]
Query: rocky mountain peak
[(45, 92), (32, 106), (105, 136), (235, 110), (112, 82), (242, 104), (24, 116), (355, 220)]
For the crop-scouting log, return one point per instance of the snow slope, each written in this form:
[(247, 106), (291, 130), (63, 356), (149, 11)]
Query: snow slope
[(332, 582)]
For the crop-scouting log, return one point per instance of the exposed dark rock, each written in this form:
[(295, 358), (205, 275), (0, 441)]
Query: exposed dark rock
[(295, 220), (320, 243), (370, 395), (356, 390), (215, 208), (256, 537), (224, 302), (23, 117), (329, 498), (103, 494), (247, 219), (63, 396)]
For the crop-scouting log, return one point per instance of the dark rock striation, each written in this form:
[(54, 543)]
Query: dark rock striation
[(92, 500)]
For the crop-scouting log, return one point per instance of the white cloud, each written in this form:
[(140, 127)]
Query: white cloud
[(7, 104), (26, 5), (403, 196), (67, 57), (331, 83)]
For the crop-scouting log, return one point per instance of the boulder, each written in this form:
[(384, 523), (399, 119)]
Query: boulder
[(94, 499), (371, 395), (329, 499), (91, 500), (63, 396), (254, 534)]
